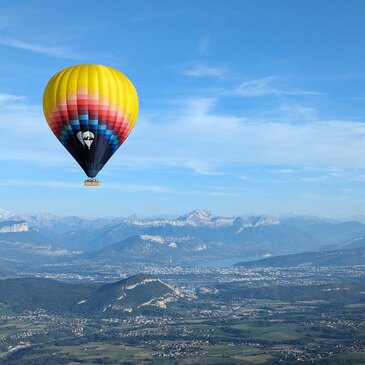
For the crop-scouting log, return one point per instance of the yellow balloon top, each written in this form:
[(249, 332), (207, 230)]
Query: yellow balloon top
[(99, 88)]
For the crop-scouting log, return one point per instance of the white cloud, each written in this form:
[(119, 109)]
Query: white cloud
[(136, 188), (284, 171), (243, 177), (35, 183), (217, 142), (152, 16), (200, 70), (202, 168), (266, 86), (292, 112), (216, 192), (315, 179), (5, 98), (26, 135), (254, 88), (204, 45), (194, 137), (48, 50)]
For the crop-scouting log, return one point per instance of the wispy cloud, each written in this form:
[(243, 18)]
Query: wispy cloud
[(194, 136), (48, 50), (136, 188), (201, 70), (314, 179), (284, 171), (244, 178), (27, 136), (41, 184), (288, 112), (5, 98), (202, 168), (204, 45), (216, 142), (214, 192), (150, 16), (267, 86)]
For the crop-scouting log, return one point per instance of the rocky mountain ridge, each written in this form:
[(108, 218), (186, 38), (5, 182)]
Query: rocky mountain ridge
[(13, 226), (195, 236), (132, 295)]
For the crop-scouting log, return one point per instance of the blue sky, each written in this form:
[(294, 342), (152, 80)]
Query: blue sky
[(246, 107)]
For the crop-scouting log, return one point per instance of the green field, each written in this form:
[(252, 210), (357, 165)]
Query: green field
[(227, 328), (262, 338)]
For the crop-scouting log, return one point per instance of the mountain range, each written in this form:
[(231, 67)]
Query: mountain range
[(196, 236), (338, 257)]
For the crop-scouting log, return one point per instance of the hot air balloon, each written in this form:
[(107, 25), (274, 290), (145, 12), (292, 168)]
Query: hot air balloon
[(91, 109)]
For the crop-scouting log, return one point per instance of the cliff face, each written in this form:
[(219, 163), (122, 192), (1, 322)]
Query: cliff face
[(13, 226)]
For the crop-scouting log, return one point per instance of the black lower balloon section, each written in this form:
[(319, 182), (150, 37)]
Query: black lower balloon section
[(91, 155)]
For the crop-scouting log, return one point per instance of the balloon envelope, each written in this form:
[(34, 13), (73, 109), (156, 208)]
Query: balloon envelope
[(91, 109)]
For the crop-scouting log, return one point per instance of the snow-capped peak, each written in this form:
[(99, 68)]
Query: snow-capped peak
[(197, 217), (153, 238), (5, 214)]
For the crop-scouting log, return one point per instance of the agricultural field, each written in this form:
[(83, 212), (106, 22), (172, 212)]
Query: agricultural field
[(258, 332)]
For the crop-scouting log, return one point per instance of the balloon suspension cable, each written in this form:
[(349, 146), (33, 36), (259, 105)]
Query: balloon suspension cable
[(92, 182)]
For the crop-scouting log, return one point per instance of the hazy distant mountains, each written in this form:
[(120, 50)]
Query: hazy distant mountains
[(339, 257), (21, 246), (161, 249), (346, 253), (198, 225), (195, 236), (135, 295)]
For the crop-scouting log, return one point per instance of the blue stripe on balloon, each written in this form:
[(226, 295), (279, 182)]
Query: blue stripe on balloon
[(99, 129)]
